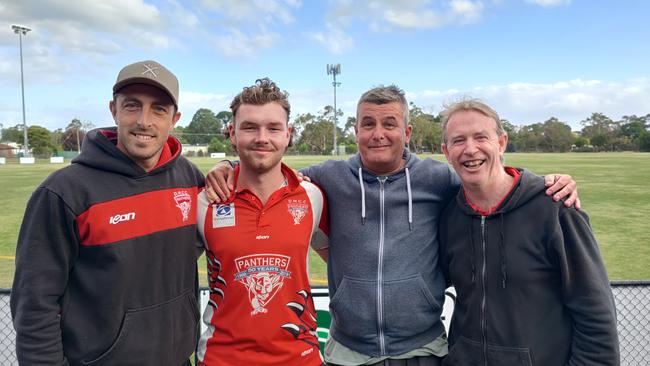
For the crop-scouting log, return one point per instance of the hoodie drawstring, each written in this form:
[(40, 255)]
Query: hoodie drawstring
[(502, 250), (408, 191), (363, 198), (410, 197)]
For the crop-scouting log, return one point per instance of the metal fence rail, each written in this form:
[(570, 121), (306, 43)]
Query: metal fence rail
[(632, 306)]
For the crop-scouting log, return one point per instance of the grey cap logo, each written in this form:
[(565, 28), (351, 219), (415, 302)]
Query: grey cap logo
[(150, 70)]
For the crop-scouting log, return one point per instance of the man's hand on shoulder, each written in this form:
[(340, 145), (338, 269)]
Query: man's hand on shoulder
[(220, 182), (562, 186)]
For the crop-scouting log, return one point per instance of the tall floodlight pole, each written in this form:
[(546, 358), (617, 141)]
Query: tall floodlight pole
[(21, 31), (334, 70)]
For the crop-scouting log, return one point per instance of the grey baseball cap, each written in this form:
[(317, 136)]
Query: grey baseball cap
[(151, 73)]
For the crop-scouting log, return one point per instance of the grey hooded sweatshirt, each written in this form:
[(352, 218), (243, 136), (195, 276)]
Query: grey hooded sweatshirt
[(385, 284)]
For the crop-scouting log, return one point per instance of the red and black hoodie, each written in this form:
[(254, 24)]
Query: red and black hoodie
[(106, 261)]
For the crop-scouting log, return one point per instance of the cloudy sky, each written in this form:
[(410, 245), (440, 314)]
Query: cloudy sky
[(530, 59)]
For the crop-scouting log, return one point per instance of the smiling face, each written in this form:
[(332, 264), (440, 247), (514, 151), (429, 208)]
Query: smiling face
[(144, 115), (261, 136), (381, 135), (474, 149)]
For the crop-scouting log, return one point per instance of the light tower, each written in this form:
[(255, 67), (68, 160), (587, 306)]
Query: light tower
[(334, 70), (21, 31)]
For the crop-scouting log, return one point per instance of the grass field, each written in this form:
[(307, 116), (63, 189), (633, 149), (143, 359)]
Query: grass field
[(612, 186)]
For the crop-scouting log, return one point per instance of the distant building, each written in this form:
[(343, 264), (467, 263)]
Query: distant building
[(195, 150), (9, 150)]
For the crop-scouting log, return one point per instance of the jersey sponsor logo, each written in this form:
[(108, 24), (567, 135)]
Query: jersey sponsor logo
[(223, 215), (297, 209), (184, 203), (262, 275), (263, 237), (116, 219)]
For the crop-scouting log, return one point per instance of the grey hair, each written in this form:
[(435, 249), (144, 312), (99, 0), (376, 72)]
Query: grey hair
[(384, 95), (470, 104)]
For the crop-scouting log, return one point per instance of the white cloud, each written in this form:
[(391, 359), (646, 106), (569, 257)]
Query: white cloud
[(237, 44), (387, 15), (384, 15), (133, 20), (334, 38), (68, 36), (548, 3), (249, 26), (255, 11), (571, 101), (466, 11)]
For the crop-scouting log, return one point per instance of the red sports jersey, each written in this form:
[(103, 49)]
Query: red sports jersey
[(261, 311)]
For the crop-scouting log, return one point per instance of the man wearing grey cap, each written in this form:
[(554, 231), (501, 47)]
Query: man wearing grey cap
[(106, 255)]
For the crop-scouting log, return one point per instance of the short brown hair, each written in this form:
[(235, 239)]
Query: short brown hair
[(262, 92)]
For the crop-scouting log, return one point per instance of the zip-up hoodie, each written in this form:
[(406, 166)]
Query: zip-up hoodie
[(385, 285), (530, 282), (106, 261)]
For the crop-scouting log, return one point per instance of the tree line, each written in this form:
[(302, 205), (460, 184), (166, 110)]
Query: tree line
[(313, 134)]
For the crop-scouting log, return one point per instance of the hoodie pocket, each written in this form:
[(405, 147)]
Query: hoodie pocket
[(161, 334), (354, 310), (466, 352), (409, 307)]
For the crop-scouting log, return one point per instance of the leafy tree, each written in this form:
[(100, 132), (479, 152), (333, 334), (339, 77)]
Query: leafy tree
[(317, 131), (220, 144), (632, 127), (56, 137), (349, 125), (427, 130), (556, 136), (602, 131), (644, 141), (581, 142), (318, 136), (40, 140), (204, 126), (300, 121), (179, 133), (601, 142), (511, 130), (224, 117), (13, 134), (529, 137), (74, 134)]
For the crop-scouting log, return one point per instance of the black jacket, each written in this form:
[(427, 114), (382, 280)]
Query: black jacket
[(106, 262), (531, 285)]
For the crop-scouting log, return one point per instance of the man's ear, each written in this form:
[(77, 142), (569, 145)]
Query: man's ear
[(175, 119), (443, 146), (503, 142), (113, 109), (231, 132), (407, 133)]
